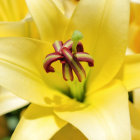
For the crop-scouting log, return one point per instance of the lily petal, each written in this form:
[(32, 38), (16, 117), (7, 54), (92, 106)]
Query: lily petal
[(12, 10), (22, 28), (135, 116), (105, 118), (37, 123), (129, 73), (48, 18), (13, 29), (11, 14), (134, 38), (69, 132), (10, 102), (66, 6), (105, 35), (22, 72), (136, 98)]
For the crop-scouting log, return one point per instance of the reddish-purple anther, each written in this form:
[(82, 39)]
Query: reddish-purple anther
[(70, 60)]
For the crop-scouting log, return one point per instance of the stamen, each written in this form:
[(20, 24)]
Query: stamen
[(68, 44), (67, 72), (50, 58), (58, 46), (79, 47), (69, 54), (76, 66), (85, 57)]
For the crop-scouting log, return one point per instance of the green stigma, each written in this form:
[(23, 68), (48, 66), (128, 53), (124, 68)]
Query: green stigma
[(77, 35)]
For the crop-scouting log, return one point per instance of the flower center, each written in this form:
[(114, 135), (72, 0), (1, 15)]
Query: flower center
[(70, 54)]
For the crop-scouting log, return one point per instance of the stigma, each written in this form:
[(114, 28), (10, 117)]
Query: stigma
[(70, 54)]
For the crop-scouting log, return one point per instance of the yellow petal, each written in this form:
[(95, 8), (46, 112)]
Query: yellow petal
[(134, 115), (66, 6), (105, 35), (37, 123), (13, 21), (136, 98), (135, 133), (135, 11), (105, 118), (48, 18), (13, 29), (22, 28), (135, 121), (134, 41), (30, 27), (9, 102), (21, 72), (129, 73), (12, 10), (69, 132)]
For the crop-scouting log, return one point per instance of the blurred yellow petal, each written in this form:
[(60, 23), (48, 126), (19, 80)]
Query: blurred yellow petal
[(37, 123), (135, 133), (105, 35), (135, 11), (12, 10), (134, 37), (13, 29), (136, 98), (10, 102), (130, 72), (69, 132), (135, 121), (13, 20), (30, 27), (107, 118), (49, 19), (21, 71)]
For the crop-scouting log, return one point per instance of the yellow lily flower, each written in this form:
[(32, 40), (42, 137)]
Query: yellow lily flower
[(104, 113)]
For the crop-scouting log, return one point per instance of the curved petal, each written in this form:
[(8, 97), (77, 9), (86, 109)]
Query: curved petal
[(105, 118), (22, 28), (129, 73), (22, 72), (12, 10), (69, 132), (66, 6), (30, 28), (37, 123), (48, 18), (11, 14), (105, 35), (10, 102), (13, 29)]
